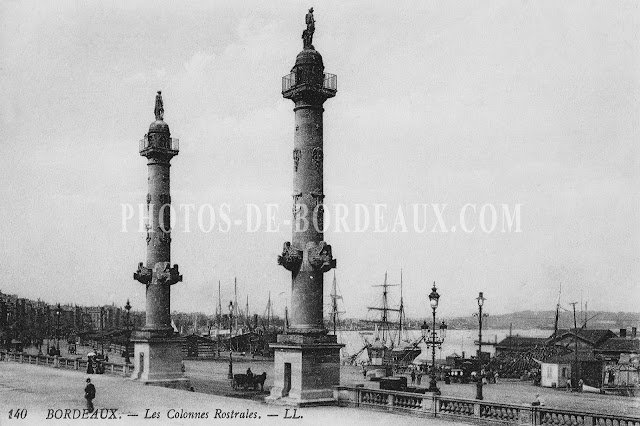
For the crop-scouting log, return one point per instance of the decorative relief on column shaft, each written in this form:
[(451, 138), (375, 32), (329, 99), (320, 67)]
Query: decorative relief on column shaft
[(165, 199), (291, 258), (319, 218), (296, 158), (165, 237), (165, 274), (317, 157), (148, 200), (296, 209), (318, 197), (143, 275), (320, 256)]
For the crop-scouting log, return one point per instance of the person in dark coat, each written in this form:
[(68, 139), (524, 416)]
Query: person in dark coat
[(89, 395), (90, 365), (413, 377)]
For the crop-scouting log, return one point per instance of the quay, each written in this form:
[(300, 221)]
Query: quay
[(45, 392), (504, 403)]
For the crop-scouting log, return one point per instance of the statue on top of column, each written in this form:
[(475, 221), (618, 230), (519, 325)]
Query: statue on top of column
[(307, 35), (159, 109)]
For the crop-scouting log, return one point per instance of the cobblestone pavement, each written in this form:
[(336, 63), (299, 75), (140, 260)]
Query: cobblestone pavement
[(50, 392)]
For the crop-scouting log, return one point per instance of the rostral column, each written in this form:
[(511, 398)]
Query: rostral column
[(307, 359), (158, 353)]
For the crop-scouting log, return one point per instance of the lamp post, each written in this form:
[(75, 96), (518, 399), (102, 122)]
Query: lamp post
[(230, 375), (58, 329), (101, 333), (480, 299), (47, 311), (435, 338), (38, 328), (127, 307), (4, 319)]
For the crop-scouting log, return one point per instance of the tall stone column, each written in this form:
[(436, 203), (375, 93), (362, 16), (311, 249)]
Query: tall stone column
[(158, 353), (307, 359), (308, 257)]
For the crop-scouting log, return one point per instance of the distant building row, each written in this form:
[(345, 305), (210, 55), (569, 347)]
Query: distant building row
[(33, 320)]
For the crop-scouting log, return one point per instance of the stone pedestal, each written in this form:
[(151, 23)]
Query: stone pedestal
[(306, 368), (158, 361)]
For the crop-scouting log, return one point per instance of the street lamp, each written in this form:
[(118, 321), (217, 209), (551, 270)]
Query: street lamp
[(48, 319), (230, 323), (101, 333), (424, 328), (58, 329), (230, 375), (480, 299), (4, 319), (435, 337), (127, 332)]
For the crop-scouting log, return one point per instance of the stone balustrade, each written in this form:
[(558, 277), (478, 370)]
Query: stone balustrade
[(67, 363), (471, 410)]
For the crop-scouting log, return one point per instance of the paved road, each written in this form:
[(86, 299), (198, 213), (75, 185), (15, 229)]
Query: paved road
[(45, 391)]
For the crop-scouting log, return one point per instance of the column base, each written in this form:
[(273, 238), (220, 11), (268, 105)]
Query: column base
[(158, 361), (306, 368)]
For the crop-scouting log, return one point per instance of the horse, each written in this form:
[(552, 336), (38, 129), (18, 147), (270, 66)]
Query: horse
[(259, 380)]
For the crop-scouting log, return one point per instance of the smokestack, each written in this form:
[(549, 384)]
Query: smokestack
[(623, 332)]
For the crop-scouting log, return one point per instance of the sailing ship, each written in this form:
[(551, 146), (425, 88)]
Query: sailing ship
[(391, 348)]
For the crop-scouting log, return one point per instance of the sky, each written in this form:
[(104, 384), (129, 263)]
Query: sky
[(529, 103)]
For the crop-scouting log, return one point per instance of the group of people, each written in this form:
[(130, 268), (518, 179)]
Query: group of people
[(95, 364), (416, 379), (53, 351), (580, 387)]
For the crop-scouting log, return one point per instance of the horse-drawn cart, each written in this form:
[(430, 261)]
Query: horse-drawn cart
[(244, 381)]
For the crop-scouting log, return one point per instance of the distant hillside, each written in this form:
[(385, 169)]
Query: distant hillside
[(545, 320)]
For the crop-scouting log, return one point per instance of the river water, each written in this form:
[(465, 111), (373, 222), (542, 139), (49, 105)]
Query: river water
[(456, 341)]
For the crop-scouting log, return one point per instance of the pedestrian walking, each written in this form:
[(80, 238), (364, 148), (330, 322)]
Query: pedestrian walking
[(89, 394), (495, 377), (413, 377), (580, 385), (419, 377)]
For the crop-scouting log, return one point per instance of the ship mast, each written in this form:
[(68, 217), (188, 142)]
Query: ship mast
[(555, 326), (401, 313), (235, 305), (334, 304), (385, 309), (246, 313), (268, 312), (219, 316)]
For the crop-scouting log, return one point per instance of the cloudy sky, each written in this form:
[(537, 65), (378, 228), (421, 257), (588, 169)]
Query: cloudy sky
[(445, 102)]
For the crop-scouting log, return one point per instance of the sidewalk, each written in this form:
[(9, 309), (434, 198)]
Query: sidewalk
[(48, 392)]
